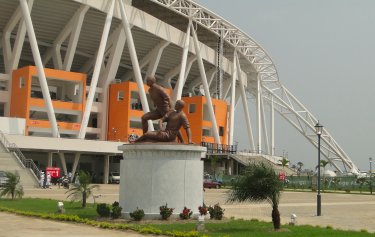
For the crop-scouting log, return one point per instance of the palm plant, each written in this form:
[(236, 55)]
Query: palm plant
[(259, 182), (300, 164), (284, 162), (81, 190), (12, 187)]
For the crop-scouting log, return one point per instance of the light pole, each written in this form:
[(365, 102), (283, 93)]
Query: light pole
[(370, 160), (319, 129)]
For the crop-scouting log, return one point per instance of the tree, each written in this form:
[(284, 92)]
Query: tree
[(81, 190), (284, 162), (259, 182), (300, 164), (12, 187)]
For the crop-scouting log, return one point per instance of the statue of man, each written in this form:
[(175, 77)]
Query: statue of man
[(175, 120), (161, 100)]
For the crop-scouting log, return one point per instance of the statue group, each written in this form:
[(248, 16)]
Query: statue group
[(174, 118)]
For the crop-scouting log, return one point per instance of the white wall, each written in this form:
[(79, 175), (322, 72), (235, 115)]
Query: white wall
[(15, 126)]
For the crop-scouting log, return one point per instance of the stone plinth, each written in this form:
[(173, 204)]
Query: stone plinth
[(155, 174)]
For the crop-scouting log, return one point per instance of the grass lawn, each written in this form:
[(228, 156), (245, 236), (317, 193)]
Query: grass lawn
[(235, 228)]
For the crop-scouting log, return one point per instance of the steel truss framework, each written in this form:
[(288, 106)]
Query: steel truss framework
[(286, 104), (253, 71)]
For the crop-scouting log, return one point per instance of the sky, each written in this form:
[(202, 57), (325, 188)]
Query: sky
[(324, 51)]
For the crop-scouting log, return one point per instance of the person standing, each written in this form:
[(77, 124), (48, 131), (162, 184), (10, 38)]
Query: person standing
[(48, 182), (161, 100)]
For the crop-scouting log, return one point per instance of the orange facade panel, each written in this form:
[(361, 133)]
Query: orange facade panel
[(27, 94), (46, 124)]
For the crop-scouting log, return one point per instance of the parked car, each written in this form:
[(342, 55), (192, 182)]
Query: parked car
[(211, 183), (114, 177), (3, 178)]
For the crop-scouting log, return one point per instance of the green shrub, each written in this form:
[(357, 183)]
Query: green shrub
[(165, 211), (216, 212), (137, 215), (103, 210), (116, 210)]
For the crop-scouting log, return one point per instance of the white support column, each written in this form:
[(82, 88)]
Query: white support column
[(98, 64), (272, 127), (109, 75), (106, 169), (152, 58), (39, 65), (264, 125), (134, 59), (63, 162), (206, 87), (74, 35), (174, 71), (72, 28), (181, 79), (75, 163), (233, 98), (259, 119), (210, 75), (155, 59), (245, 107), (49, 159)]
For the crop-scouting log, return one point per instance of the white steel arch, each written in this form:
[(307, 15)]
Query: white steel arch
[(284, 102)]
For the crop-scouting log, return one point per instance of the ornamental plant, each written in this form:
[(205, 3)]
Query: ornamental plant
[(165, 211), (103, 210), (203, 210), (185, 214), (137, 215), (216, 212), (116, 210)]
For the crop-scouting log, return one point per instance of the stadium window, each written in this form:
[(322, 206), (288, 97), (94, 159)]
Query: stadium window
[(206, 132), (221, 131), (22, 82), (120, 95), (192, 108)]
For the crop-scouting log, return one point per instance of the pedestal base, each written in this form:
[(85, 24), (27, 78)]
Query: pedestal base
[(155, 174)]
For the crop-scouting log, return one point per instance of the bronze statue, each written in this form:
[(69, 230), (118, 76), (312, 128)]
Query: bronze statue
[(161, 100), (175, 120)]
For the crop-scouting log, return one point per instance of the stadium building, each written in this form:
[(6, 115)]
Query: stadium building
[(72, 83)]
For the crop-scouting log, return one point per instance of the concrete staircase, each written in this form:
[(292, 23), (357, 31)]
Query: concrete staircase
[(9, 162)]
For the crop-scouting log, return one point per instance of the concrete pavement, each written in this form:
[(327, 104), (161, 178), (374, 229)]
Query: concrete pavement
[(344, 211)]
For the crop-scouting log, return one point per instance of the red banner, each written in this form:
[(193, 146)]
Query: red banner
[(53, 171)]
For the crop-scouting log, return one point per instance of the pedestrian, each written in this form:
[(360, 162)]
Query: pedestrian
[(48, 182), (41, 179)]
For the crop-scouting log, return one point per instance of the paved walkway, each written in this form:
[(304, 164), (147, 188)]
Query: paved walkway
[(345, 211)]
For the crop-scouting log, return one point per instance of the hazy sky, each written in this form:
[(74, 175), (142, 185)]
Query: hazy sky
[(324, 51)]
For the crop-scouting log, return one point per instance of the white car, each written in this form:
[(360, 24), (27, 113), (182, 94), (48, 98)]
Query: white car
[(3, 178), (114, 177)]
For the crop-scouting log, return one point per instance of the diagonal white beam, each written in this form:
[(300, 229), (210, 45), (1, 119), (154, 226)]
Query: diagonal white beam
[(264, 124), (109, 75), (174, 71), (181, 79), (245, 107), (151, 57), (197, 81), (72, 28), (206, 87), (134, 59), (97, 68), (232, 99), (39, 65), (74, 35), (155, 59)]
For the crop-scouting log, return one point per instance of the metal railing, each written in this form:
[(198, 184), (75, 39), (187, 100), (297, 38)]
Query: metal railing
[(219, 148), (13, 148)]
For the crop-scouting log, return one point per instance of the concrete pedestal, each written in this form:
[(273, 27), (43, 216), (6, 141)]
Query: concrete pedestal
[(155, 174)]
